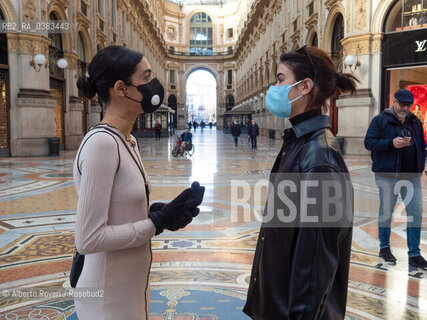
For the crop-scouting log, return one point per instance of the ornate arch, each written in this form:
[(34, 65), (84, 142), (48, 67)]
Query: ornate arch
[(57, 8), (380, 15), (8, 10), (202, 67), (310, 35), (266, 76), (329, 26), (86, 42), (273, 71)]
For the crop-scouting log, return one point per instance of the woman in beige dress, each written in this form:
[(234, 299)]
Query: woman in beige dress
[(114, 223)]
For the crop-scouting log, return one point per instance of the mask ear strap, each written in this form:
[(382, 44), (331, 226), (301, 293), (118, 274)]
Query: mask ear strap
[(295, 84), (132, 99), (299, 97)]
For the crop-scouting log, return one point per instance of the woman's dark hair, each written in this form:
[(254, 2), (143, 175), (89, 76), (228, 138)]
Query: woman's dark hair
[(329, 83), (109, 65)]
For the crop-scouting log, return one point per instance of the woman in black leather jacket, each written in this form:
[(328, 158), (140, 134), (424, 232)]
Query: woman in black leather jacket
[(301, 264)]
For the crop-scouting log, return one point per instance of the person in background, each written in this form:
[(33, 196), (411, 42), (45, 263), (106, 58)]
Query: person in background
[(210, 125), (158, 129), (189, 125), (202, 125), (235, 132), (396, 141), (186, 138), (253, 132), (114, 222), (195, 125)]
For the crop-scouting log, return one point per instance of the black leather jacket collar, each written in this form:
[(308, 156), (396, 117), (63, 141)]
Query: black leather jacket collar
[(312, 124)]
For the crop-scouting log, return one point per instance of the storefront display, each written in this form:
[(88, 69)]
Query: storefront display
[(405, 55)]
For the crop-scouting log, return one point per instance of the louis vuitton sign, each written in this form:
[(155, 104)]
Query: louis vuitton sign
[(405, 48)]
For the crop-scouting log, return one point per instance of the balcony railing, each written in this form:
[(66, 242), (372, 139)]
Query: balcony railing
[(201, 54)]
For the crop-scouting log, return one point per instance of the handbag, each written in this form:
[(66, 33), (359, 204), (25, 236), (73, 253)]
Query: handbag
[(78, 258), (76, 267)]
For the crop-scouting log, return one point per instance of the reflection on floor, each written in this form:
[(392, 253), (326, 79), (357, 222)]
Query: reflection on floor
[(202, 271)]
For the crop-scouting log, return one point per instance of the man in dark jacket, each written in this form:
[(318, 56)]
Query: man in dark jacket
[(395, 139), (235, 132), (253, 132)]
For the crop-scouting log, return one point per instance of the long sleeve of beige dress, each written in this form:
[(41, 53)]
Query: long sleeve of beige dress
[(113, 230)]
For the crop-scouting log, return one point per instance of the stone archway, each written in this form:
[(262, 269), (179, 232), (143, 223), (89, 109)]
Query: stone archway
[(182, 120), (336, 10), (58, 10), (8, 10), (380, 15)]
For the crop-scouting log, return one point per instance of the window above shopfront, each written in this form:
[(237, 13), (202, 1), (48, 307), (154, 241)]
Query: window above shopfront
[(407, 15)]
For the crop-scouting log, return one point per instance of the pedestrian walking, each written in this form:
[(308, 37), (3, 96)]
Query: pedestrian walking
[(253, 132), (158, 130), (235, 132)]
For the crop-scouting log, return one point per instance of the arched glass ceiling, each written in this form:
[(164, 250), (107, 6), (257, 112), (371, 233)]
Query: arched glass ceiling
[(202, 2)]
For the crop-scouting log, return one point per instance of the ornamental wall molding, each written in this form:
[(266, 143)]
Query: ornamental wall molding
[(362, 44), (359, 15), (330, 3), (26, 43)]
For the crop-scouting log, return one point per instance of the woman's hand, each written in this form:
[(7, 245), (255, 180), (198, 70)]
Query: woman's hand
[(180, 211)]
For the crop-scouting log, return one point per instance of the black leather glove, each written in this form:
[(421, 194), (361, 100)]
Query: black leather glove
[(179, 212), (183, 219), (157, 206), (168, 214), (196, 199)]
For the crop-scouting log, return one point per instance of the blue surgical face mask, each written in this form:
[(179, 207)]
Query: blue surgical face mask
[(278, 102)]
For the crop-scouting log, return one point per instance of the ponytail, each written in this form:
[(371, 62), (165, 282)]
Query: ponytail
[(346, 82)]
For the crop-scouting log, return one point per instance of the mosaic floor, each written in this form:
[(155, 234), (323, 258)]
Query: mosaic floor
[(202, 271)]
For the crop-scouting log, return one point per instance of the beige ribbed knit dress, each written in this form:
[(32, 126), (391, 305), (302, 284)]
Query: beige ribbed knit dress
[(112, 229)]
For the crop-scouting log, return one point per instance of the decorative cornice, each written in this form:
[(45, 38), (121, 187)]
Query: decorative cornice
[(330, 3), (312, 21)]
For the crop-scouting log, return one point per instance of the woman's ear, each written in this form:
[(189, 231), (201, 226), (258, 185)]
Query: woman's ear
[(120, 88), (307, 85)]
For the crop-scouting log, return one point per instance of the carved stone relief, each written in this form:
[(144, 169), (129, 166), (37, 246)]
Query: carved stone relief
[(29, 9), (360, 15)]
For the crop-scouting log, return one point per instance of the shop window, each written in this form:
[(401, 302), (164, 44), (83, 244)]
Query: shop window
[(415, 80), (407, 15)]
